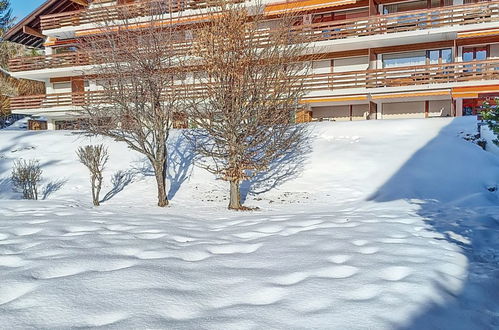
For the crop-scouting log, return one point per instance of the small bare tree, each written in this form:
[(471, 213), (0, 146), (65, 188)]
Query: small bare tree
[(26, 175), (253, 81), (95, 159), (138, 76)]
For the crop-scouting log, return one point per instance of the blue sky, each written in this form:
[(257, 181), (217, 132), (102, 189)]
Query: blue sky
[(21, 8)]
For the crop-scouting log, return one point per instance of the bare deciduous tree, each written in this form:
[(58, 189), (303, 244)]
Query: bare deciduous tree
[(26, 175), (95, 159), (139, 83), (253, 81)]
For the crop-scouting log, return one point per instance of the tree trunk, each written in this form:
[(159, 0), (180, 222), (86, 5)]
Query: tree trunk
[(95, 195), (235, 196), (160, 174)]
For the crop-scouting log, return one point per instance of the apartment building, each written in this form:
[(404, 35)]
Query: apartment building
[(380, 59)]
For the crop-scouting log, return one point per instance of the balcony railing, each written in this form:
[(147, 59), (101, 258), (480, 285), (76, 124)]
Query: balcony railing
[(374, 25), (407, 76), (28, 63), (369, 79), (397, 22), (109, 13), (482, 12)]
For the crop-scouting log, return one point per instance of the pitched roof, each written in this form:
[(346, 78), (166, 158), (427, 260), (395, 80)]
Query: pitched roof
[(17, 33)]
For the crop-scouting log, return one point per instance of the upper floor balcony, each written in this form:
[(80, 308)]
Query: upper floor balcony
[(114, 12), (464, 15), (446, 75)]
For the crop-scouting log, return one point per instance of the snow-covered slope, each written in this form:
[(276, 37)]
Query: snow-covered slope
[(380, 225)]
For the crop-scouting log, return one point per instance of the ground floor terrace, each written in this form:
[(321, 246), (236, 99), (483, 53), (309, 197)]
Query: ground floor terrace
[(466, 101), (456, 102)]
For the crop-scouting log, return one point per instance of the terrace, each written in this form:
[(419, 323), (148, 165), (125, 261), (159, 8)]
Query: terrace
[(367, 80), (483, 12)]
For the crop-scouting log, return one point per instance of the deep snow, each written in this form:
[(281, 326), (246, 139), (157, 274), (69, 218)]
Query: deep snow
[(380, 225)]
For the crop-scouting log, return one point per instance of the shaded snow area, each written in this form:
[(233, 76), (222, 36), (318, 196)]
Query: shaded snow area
[(378, 225)]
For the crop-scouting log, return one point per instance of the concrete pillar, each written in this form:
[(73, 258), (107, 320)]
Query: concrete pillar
[(50, 124), (459, 107)]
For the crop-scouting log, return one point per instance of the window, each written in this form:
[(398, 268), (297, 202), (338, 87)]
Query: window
[(420, 57), (62, 85), (405, 6), (404, 59), (67, 49), (438, 56), (475, 53)]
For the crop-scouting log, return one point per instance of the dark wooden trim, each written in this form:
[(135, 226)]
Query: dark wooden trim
[(411, 47), (33, 32), (60, 79), (477, 40)]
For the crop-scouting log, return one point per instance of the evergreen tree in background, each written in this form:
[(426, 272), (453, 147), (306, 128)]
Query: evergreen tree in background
[(491, 116), (5, 15)]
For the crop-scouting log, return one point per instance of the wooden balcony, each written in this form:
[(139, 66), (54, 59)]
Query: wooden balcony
[(483, 12), (398, 22), (367, 79), (28, 63), (109, 13), (408, 21)]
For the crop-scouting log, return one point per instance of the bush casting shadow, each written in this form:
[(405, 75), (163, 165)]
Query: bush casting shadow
[(119, 180), (52, 187)]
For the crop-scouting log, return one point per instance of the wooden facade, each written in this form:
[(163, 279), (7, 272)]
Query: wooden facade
[(325, 22)]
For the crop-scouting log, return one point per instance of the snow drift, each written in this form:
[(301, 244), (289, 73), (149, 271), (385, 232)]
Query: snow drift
[(383, 225)]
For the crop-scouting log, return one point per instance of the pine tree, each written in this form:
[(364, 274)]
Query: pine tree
[(5, 15), (490, 114)]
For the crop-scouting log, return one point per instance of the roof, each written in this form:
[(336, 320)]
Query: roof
[(17, 33)]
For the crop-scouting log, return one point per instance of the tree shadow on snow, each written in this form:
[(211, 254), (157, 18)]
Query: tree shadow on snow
[(179, 164), (5, 186), (287, 166), (119, 180), (453, 196), (52, 187)]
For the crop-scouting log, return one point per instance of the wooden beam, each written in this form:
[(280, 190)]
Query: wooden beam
[(33, 32), (80, 2), (373, 110)]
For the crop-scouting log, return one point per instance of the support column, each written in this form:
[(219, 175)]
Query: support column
[(351, 112), (459, 107), (426, 109), (373, 110), (50, 124)]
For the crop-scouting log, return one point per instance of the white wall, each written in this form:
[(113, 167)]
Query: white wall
[(341, 112), (323, 66), (494, 50), (440, 108), (351, 64), (402, 110)]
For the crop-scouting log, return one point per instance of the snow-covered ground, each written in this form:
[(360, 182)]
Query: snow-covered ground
[(379, 225)]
